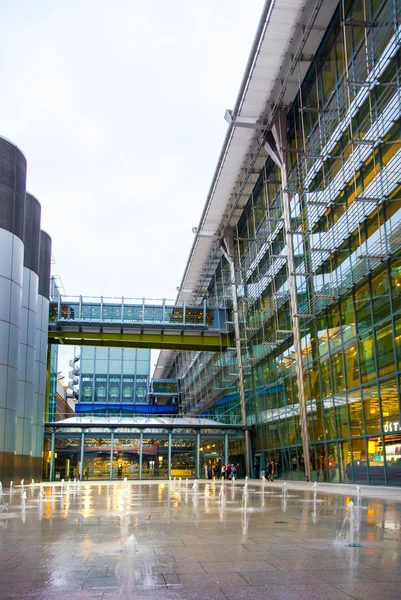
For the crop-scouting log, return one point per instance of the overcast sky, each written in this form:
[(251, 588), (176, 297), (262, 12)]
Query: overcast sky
[(119, 109)]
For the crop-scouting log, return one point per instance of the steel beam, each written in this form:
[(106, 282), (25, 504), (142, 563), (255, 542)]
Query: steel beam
[(157, 341)]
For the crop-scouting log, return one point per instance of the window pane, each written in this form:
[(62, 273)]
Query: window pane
[(376, 461), (393, 458), (380, 296), (371, 408), (355, 412), (359, 462), (385, 349), (396, 284), (389, 405), (362, 304), (366, 357)]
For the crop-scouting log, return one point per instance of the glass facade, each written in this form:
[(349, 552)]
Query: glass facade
[(111, 454), (342, 166), (113, 379)]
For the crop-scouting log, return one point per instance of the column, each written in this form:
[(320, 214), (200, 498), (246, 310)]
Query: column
[(81, 466), (12, 216), (228, 251), (42, 375), (52, 456), (26, 385), (140, 454), (278, 154), (197, 465), (111, 454), (226, 448), (170, 439)]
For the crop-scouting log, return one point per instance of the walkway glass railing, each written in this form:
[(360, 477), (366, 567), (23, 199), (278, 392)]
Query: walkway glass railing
[(136, 311)]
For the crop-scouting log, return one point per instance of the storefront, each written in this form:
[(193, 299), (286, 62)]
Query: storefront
[(109, 448)]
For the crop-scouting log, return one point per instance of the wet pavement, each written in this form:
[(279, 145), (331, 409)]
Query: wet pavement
[(171, 540)]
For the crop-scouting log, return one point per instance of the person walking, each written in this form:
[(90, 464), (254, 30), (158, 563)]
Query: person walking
[(272, 472), (228, 470), (269, 471), (256, 469), (223, 471), (237, 471)]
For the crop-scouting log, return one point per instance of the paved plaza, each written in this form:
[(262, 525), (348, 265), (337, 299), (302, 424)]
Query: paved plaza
[(177, 540)]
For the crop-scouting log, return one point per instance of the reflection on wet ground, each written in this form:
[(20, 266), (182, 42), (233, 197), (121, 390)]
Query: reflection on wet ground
[(173, 540)]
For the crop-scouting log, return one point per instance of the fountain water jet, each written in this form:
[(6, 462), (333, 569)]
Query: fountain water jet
[(245, 497), (349, 533), (125, 567)]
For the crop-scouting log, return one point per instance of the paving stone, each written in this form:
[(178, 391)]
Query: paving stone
[(371, 591), (191, 551), (286, 592)]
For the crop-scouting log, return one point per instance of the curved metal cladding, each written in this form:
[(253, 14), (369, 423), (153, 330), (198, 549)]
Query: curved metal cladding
[(42, 326), (26, 391), (12, 215)]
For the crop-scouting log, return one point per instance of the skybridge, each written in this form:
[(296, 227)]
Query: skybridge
[(137, 323)]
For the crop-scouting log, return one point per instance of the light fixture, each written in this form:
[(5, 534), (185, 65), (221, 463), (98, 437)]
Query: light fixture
[(246, 122), (203, 233)]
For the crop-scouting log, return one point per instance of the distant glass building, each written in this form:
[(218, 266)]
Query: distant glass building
[(112, 380), (301, 238)]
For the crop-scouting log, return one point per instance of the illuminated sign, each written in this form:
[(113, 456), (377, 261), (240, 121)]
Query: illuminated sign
[(390, 426)]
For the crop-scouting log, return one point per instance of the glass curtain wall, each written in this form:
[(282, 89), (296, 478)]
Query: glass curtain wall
[(344, 161), (123, 449), (113, 379)]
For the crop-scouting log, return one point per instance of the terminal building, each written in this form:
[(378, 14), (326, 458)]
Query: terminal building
[(289, 308), (301, 236), (112, 380)]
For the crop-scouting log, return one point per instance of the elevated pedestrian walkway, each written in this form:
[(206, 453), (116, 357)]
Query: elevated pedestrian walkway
[(137, 323)]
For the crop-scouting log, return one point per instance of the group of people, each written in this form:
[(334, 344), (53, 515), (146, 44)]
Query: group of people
[(271, 471), (228, 471)]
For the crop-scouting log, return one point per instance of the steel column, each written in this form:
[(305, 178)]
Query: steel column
[(111, 454), (226, 448), (170, 439), (197, 465), (140, 454), (52, 457), (280, 137), (81, 466), (228, 251)]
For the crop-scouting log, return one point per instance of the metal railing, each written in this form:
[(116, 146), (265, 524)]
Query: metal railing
[(136, 311)]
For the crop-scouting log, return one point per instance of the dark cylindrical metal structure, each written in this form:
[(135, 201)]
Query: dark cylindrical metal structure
[(12, 221), (42, 326), (26, 392)]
